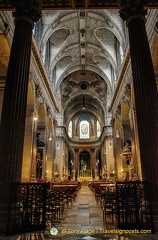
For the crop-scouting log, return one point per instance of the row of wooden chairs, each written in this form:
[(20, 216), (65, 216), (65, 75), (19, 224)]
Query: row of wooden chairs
[(58, 200), (107, 201)]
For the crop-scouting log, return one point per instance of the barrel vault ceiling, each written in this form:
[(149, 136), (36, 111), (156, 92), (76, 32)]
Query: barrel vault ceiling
[(82, 51)]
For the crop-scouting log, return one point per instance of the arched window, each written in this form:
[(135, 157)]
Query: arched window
[(98, 129), (70, 129), (84, 129)]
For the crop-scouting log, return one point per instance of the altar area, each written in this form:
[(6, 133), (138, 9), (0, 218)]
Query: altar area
[(85, 175)]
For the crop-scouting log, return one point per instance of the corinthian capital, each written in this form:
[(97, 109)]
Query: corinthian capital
[(27, 8), (131, 8)]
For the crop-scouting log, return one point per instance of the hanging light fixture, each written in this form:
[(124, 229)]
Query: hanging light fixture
[(83, 104)]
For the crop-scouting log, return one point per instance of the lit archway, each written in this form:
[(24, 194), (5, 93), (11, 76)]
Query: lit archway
[(84, 164)]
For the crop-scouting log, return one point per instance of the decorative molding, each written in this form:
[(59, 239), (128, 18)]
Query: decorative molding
[(60, 138), (75, 4), (128, 90), (69, 84), (101, 92), (130, 8), (38, 91), (92, 150), (156, 28), (30, 9), (55, 123), (76, 150), (57, 3), (120, 80), (39, 96), (127, 93), (44, 74), (4, 27), (48, 112), (103, 3), (118, 111)]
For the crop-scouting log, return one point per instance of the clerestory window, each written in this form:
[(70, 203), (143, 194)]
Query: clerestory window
[(84, 129)]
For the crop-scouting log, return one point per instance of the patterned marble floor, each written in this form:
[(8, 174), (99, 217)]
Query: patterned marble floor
[(82, 221)]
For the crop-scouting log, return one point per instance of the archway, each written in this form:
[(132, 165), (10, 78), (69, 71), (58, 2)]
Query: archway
[(84, 164)]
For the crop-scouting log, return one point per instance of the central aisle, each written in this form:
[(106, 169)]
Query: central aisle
[(82, 221), (85, 213)]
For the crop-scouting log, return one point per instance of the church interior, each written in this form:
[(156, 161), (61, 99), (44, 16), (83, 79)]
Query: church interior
[(78, 101)]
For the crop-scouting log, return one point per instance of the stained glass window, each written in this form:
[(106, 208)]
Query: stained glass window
[(84, 129), (70, 129)]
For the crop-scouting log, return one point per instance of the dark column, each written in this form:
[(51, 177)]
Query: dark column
[(15, 99), (145, 94)]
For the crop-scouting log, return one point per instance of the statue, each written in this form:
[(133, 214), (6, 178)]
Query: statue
[(85, 167), (127, 146)]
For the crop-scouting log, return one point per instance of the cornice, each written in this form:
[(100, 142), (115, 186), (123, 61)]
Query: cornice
[(120, 79), (43, 73), (5, 5), (88, 143)]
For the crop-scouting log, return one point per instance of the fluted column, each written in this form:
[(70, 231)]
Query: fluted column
[(145, 92), (15, 97)]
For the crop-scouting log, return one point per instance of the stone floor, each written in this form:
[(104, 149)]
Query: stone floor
[(82, 221)]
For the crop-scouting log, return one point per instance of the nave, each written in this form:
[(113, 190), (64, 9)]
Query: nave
[(83, 220)]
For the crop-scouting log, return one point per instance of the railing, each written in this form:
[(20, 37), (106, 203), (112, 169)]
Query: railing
[(134, 206), (85, 173), (26, 208)]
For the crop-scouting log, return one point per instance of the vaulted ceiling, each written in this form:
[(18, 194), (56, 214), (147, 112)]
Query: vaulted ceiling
[(82, 47)]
